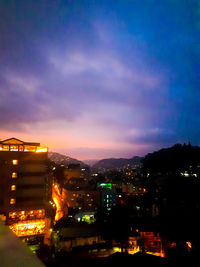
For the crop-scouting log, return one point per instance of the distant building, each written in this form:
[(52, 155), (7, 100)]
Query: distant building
[(25, 189), (76, 235), (82, 200), (133, 188), (72, 171), (108, 196)]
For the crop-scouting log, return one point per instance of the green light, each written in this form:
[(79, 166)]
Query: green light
[(107, 185)]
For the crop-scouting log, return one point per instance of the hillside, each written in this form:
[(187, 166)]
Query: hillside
[(91, 162), (64, 160), (114, 163), (173, 159)]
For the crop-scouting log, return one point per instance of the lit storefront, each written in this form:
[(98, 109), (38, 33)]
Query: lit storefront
[(27, 228)]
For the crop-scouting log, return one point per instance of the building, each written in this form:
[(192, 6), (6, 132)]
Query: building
[(24, 187), (108, 196), (81, 200), (76, 171), (72, 171), (76, 235)]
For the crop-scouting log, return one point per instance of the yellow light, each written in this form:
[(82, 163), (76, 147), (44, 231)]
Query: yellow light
[(117, 249), (28, 228), (12, 201), (15, 162), (5, 148), (189, 244), (14, 175), (13, 148), (41, 149), (13, 187), (12, 214), (29, 148)]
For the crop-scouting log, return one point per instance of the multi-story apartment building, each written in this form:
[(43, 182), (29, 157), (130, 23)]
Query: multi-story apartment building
[(24, 186), (82, 200)]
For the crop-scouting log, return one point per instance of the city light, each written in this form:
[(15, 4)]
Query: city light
[(41, 149), (14, 175), (13, 187), (28, 228), (106, 185), (12, 201), (189, 245), (23, 148)]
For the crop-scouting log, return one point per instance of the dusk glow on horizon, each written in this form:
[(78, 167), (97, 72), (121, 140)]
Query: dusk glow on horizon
[(100, 79)]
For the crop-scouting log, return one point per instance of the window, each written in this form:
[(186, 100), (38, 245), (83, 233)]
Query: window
[(29, 148), (14, 175), (13, 148), (21, 148), (12, 201), (13, 187), (5, 148), (15, 162), (41, 149)]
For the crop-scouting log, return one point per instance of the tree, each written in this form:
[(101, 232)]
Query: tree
[(117, 226)]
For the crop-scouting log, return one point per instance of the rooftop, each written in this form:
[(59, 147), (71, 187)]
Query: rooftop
[(14, 144)]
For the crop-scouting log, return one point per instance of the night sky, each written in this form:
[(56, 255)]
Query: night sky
[(99, 79)]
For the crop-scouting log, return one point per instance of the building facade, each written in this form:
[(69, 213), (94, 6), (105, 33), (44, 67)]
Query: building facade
[(24, 186)]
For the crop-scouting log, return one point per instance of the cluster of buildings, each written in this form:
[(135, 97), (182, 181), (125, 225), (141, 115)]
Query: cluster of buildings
[(32, 200)]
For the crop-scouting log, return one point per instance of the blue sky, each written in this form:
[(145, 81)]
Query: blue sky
[(97, 79)]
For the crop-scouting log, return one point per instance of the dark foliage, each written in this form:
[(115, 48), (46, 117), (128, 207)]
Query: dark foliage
[(174, 159)]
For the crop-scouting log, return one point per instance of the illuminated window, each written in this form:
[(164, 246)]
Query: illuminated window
[(1, 147), (21, 148), (41, 149), (29, 148), (15, 162), (5, 148), (14, 175), (12, 201), (13, 148), (13, 187), (26, 229)]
